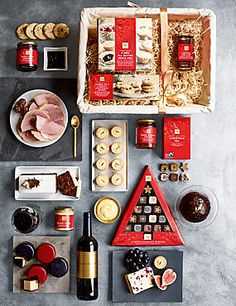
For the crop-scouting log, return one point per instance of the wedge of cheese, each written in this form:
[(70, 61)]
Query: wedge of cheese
[(140, 280)]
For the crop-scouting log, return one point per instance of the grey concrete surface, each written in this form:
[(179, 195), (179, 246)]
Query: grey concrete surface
[(209, 254)]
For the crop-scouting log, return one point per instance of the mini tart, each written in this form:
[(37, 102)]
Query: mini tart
[(117, 164), (108, 45), (117, 179), (102, 164), (116, 131), (144, 57), (102, 180), (102, 132), (117, 148), (160, 262), (147, 82), (102, 148)]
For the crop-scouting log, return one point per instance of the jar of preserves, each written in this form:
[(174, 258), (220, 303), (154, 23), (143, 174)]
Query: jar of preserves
[(27, 56), (63, 218), (185, 52), (146, 134)]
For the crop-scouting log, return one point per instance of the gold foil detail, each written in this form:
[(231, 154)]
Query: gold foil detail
[(87, 266)]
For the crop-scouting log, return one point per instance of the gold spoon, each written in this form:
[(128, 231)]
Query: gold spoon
[(75, 123)]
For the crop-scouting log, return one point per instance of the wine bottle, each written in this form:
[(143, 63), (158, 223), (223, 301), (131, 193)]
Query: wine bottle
[(87, 263)]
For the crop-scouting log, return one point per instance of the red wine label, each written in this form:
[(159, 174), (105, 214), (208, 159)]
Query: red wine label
[(64, 222), (101, 87), (185, 52), (146, 135), (87, 265), (27, 57)]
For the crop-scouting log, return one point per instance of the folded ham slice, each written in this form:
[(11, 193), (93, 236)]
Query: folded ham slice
[(55, 113), (47, 98), (47, 126), (29, 121), (27, 136)]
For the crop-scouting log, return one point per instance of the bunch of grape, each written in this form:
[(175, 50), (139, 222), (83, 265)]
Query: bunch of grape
[(136, 259)]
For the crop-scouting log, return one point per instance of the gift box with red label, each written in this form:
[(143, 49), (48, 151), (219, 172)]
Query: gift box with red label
[(177, 138), (125, 44)]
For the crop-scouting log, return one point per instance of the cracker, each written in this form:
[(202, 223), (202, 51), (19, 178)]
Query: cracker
[(61, 30), (38, 31), (48, 30), (29, 31), (20, 31)]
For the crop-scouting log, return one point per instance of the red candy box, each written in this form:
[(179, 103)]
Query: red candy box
[(177, 138)]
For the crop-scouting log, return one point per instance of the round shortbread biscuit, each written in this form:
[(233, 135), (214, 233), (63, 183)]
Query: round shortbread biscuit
[(38, 31), (20, 31), (61, 30), (29, 31), (48, 30)]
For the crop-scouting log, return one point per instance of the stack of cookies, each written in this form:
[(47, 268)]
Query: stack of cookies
[(148, 86), (42, 31)]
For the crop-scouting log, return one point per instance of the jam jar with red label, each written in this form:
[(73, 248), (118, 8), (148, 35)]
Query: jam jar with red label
[(185, 52), (146, 134), (27, 56)]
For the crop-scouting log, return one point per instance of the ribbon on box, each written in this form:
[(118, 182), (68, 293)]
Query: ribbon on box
[(166, 75)]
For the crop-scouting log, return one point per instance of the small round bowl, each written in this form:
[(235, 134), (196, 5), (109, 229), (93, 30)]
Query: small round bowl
[(214, 206), (106, 201)]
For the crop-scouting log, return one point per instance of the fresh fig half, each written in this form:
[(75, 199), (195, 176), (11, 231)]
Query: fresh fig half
[(168, 277), (157, 279)]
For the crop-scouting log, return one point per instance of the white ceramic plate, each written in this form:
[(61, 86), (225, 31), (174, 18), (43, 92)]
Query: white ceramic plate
[(47, 169), (14, 118)]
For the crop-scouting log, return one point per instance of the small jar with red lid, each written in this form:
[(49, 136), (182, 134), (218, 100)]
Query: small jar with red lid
[(27, 56), (185, 52), (146, 134)]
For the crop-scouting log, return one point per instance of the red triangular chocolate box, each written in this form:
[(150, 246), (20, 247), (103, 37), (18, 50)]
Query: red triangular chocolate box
[(147, 220)]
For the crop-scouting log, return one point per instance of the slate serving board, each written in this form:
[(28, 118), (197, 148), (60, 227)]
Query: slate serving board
[(11, 148), (173, 293), (52, 285)]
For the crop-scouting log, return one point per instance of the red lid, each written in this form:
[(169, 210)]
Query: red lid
[(38, 272), (46, 253)]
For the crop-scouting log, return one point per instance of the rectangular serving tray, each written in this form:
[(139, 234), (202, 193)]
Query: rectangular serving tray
[(47, 169), (109, 156)]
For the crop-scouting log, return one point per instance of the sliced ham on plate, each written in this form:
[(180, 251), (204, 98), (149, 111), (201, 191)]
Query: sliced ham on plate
[(55, 113), (38, 136), (47, 126), (27, 136), (33, 106), (47, 98), (29, 121)]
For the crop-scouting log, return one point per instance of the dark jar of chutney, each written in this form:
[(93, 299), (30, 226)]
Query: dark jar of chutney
[(146, 134), (27, 56)]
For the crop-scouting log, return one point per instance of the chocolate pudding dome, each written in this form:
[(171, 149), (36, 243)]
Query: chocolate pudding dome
[(195, 207)]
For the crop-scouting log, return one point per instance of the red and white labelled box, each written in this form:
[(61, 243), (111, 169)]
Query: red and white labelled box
[(177, 138)]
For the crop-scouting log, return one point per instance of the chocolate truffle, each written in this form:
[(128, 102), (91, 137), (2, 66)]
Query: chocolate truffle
[(195, 207)]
